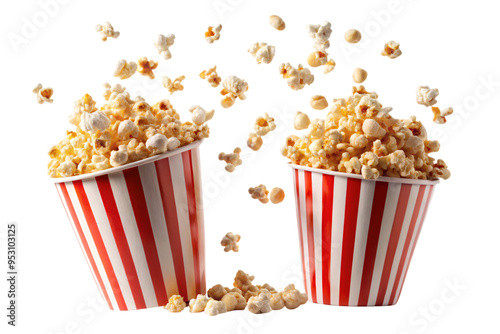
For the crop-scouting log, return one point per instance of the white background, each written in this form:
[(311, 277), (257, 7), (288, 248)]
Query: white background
[(452, 45)]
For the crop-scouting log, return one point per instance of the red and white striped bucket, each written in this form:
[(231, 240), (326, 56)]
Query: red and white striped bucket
[(140, 227), (357, 236)]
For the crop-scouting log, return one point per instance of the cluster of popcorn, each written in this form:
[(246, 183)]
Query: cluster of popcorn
[(121, 131), (244, 295), (260, 192), (427, 97), (320, 33), (359, 136)]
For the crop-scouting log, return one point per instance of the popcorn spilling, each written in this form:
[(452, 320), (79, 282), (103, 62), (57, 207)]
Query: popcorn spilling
[(163, 44), (440, 115), (234, 87), (254, 141), (262, 52), (213, 33), (232, 159), (391, 50), (124, 69), (298, 77), (107, 31), (427, 96), (43, 94), (212, 77), (146, 67), (173, 85), (277, 22), (175, 304), (260, 192), (230, 242), (320, 33), (264, 125), (200, 115)]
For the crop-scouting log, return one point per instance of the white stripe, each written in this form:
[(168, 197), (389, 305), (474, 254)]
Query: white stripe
[(363, 223), (122, 199), (391, 204), (317, 207), (338, 214), (303, 226), (154, 203), (102, 221), (181, 204), (412, 199), (195, 160), (412, 243), (90, 242)]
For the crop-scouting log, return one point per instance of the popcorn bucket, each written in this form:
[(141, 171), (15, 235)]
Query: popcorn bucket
[(140, 227), (357, 236)]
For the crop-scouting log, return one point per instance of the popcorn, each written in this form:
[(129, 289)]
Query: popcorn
[(260, 303), (391, 50), (217, 292), (66, 168), (277, 195), (232, 159), (212, 77), (277, 22), (112, 92), (215, 307), (234, 301), (317, 58), (213, 33), (277, 302), (298, 77), (119, 157), (352, 36), (234, 87), (301, 121), (318, 102), (173, 86), (243, 281), (260, 192), (200, 115), (43, 94), (163, 43), (329, 66), (439, 116), (359, 75), (254, 141), (92, 122), (262, 52), (320, 34), (124, 70), (427, 96), (372, 129), (293, 298), (127, 129), (230, 242), (106, 31), (157, 143), (264, 125), (175, 304), (198, 305), (146, 67)]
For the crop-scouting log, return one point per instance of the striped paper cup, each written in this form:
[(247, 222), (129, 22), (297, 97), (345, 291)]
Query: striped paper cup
[(140, 227), (357, 236)]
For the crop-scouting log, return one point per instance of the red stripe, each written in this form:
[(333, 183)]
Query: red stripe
[(326, 231), (99, 243), (116, 226), (393, 241), (411, 229), (348, 238), (199, 211), (310, 233), (378, 205), (85, 245), (299, 221), (169, 208), (431, 188), (193, 217), (143, 221)]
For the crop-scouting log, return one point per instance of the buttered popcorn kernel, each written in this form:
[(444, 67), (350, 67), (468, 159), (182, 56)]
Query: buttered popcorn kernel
[(277, 195), (359, 75), (260, 192), (427, 96), (318, 102), (124, 69), (329, 66), (217, 292), (277, 22), (264, 125), (215, 307), (391, 50), (212, 77), (173, 85), (320, 33), (232, 159), (198, 305), (234, 87), (298, 77), (254, 141), (234, 301), (175, 304), (301, 121), (230, 242), (163, 44), (146, 67), (440, 115), (293, 298), (200, 115), (262, 52), (213, 33), (261, 303), (106, 31), (352, 36), (43, 94), (317, 58)]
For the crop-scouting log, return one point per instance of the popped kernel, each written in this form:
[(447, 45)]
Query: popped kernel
[(329, 66), (232, 159), (157, 143), (217, 292), (146, 67), (163, 44), (293, 298), (301, 121), (119, 157), (261, 303), (112, 92), (234, 87), (234, 301), (43, 94), (215, 307), (200, 115), (260, 192), (173, 85), (92, 122), (107, 31), (318, 102), (264, 125), (212, 77), (320, 33), (277, 302), (175, 304), (230, 242), (198, 305), (213, 33), (317, 58), (391, 50), (277, 195), (262, 52), (439, 115), (298, 77), (359, 75), (124, 69), (427, 96), (254, 141), (277, 22), (352, 36)]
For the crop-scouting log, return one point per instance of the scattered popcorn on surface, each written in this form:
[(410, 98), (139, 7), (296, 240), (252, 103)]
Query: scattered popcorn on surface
[(262, 52), (318, 102), (215, 307), (352, 36), (175, 304), (359, 75), (264, 125), (146, 67), (232, 159), (301, 121), (43, 94), (124, 70), (212, 77), (440, 115), (200, 115), (277, 22), (162, 45), (391, 50), (234, 87), (293, 298), (230, 242), (427, 96), (261, 303), (234, 301), (213, 33), (254, 141), (217, 292), (173, 86), (298, 77), (106, 31), (277, 195), (198, 305), (260, 192)]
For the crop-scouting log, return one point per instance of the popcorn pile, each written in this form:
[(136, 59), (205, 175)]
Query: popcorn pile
[(121, 131), (359, 136), (244, 295), (320, 33)]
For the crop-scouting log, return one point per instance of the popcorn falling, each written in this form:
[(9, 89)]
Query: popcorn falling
[(211, 76), (213, 33), (163, 44), (230, 242), (234, 87), (391, 50), (43, 94), (107, 31), (232, 159), (277, 22)]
